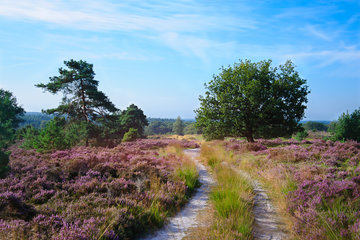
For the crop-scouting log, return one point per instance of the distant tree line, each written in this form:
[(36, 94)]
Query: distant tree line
[(37, 120), (315, 126), (163, 126)]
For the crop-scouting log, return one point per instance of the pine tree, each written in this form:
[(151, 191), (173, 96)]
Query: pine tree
[(82, 100), (178, 127)]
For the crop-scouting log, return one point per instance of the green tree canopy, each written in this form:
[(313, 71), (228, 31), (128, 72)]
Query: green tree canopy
[(253, 99), (81, 98), (10, 117), (133, 117), (347, 126), (178, 127)]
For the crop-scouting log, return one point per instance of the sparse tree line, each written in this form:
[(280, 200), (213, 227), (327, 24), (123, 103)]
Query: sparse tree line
[(85, 116), (248, 100)]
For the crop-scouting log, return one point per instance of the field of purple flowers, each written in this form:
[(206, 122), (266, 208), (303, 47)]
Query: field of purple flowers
[(319, 182), (91, 193)]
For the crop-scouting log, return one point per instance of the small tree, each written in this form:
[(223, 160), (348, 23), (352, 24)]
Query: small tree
[(347, 127), (178, 127), (253, 100), (10, 117), (82, 100), (52, 136), (133, 117)]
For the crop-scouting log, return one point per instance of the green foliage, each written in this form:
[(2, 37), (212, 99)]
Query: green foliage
[(133, 117), (35, 119), (253, 100), (4, 160), (52, 136), (82, 100), (332, 126), (347, 127), (178, 127), (131, 135), (317, 126), (301, 135), (10, 117), (159, 127), (30, 135), (190, 128), (57, 134), (75, 133)]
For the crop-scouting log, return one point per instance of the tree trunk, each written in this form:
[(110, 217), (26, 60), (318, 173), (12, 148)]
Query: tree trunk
[(84, 108), (250, 138), (84, 101)]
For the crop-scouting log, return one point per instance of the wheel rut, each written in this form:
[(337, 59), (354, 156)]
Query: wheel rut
[(177, 226), (266, 218)]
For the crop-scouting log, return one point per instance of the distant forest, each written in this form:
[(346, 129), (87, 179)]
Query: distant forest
[(156, 125), (159, 126), (36, 119)]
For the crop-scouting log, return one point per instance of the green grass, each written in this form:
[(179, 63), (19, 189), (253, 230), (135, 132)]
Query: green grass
[(188, 173), (232, 199), (231, 215)]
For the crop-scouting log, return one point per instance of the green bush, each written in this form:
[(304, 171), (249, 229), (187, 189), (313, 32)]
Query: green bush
[(52, 136), (347, 127), (131, 135), (29, 134), (76, 133), (301, 135)]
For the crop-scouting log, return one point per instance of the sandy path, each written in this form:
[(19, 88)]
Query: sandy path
[(267, 221), (178, 225)]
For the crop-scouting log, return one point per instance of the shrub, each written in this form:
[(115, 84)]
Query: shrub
[(131, 135), (301, 135), (347, 126)]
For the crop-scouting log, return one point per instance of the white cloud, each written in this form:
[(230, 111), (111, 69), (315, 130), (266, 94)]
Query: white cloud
[(91, 15), (311, 29), (327, 57)]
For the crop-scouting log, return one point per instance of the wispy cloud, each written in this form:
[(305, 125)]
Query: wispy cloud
[(327, 57), (126, 16), (313, 30)]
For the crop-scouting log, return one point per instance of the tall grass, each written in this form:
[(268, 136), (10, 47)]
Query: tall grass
[(231, 199), (185, 170), (275, 178)]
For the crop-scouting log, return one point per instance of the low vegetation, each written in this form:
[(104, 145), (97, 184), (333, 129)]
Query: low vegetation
[(231, 199), (94, 193), (315, 184)]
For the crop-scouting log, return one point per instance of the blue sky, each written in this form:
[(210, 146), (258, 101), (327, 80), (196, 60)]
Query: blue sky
[(158, 54)]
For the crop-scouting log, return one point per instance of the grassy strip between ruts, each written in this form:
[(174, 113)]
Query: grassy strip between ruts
[(231, 200)]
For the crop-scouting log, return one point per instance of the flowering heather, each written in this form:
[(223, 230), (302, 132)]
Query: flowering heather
[(90, 193), (324, 195)]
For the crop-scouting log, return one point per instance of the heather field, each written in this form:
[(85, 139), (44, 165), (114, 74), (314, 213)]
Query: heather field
[(95, 193), (315, 185)]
